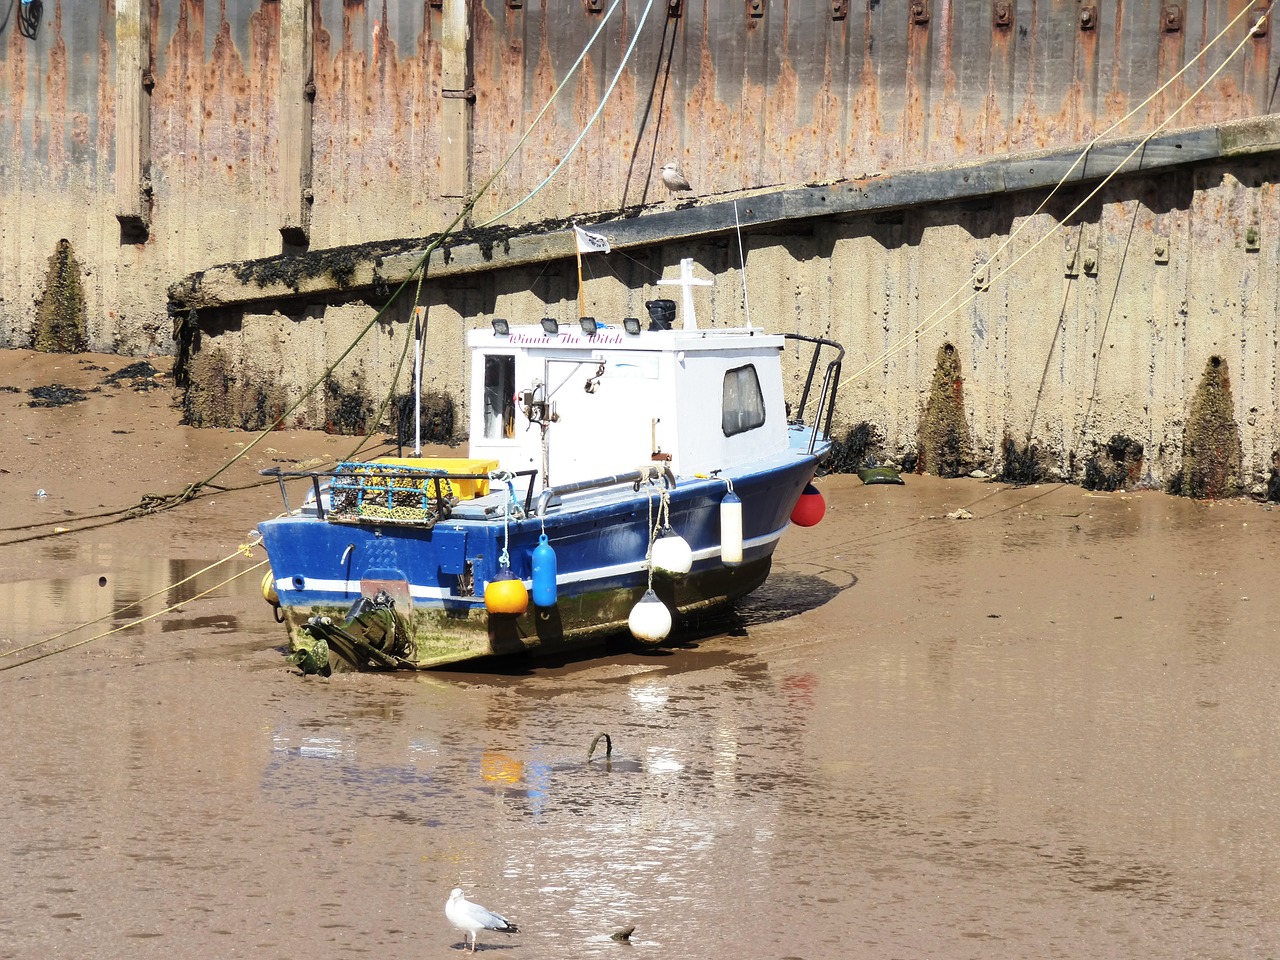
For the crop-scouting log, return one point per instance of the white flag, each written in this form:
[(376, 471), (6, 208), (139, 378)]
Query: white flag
[(590, 242)]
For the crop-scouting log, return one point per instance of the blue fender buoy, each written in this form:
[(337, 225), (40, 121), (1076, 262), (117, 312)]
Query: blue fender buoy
[(544, 573)]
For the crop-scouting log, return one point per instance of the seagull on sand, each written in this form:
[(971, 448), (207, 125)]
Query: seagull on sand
[(471, 918), (673, 178)]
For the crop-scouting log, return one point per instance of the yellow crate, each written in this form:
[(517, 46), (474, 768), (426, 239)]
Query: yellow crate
[(465, 489)]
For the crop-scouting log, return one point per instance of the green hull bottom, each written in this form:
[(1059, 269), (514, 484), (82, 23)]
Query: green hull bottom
[(422, 637)]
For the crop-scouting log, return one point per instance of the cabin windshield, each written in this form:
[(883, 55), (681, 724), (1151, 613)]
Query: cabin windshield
[(499, 397), (742, 406)]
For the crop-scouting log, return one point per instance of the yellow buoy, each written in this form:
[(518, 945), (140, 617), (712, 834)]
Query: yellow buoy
[(269, 589), (506, 594)]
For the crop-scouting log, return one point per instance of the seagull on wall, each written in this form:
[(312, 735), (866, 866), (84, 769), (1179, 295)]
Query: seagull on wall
[(471, 918), (673, 178)]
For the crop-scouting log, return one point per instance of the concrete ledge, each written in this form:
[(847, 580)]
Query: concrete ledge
[(350, 272)]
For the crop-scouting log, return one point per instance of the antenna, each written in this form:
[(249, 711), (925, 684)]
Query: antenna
[(742, 259)]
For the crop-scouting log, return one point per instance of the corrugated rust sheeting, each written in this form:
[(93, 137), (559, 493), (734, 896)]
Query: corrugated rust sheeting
[(795, 95), (790, 95)]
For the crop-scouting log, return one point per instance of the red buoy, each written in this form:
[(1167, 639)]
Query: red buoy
[(809, 508)]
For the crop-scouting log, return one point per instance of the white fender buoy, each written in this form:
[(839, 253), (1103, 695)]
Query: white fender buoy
[(671, 554), (650, 620), (731, 530)]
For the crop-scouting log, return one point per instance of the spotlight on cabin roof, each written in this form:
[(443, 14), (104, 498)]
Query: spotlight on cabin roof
[(588, 325), (662, 313), (550, 326), (500, 327), (631, 325)]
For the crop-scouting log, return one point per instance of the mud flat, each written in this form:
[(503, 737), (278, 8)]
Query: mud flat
[(1046, 730)]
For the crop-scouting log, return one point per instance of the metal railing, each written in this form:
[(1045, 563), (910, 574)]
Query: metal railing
[(317, 476), (826, 406)]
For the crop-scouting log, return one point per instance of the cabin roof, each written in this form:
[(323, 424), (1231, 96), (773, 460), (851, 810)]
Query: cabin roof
[(531, 338)]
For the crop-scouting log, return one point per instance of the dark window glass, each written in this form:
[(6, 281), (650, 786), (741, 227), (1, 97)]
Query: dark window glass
[(742, 406)]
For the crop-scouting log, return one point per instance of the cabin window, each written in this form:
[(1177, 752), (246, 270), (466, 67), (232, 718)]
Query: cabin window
[(743, 403), (499, 397)]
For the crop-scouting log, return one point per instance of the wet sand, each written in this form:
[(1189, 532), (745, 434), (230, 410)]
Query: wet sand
[(1046, 731)]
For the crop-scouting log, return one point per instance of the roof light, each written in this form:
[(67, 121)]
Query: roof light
[(500, 327), (588, 325), (550, 326), (631, 325)]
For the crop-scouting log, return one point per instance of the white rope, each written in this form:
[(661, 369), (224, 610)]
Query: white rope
[(605, 99)]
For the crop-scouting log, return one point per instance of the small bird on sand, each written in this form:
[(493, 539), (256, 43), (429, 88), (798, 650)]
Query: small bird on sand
[(673, 178), (471, 918)]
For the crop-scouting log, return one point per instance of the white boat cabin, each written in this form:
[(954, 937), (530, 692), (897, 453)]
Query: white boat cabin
[(577, 405)]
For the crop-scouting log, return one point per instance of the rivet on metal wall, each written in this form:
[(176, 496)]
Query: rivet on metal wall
[(1160, 249), (1088, 16), (1171, 18), (1002, 14), (593, 6), (755, 8), (1252, 238), (919, 12), (839, 9)]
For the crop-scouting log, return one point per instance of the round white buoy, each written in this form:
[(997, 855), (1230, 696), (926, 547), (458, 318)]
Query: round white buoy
[(671, 555), (650, 620), (731, 530)]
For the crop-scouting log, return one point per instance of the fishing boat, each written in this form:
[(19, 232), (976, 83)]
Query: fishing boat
[(620, 477)]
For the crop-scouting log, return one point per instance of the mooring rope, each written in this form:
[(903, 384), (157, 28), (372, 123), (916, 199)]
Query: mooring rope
[(590, 122), (245, 549), (132, 623)]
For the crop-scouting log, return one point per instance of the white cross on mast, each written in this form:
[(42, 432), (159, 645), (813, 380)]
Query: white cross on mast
[(687, 282)]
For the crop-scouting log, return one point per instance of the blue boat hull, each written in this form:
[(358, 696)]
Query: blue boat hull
[(435, 577)]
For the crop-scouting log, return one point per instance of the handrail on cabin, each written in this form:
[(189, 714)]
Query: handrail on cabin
[(826, 406), (635, 477)]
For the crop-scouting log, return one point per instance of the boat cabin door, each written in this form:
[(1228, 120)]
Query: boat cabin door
[(607, 418)]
